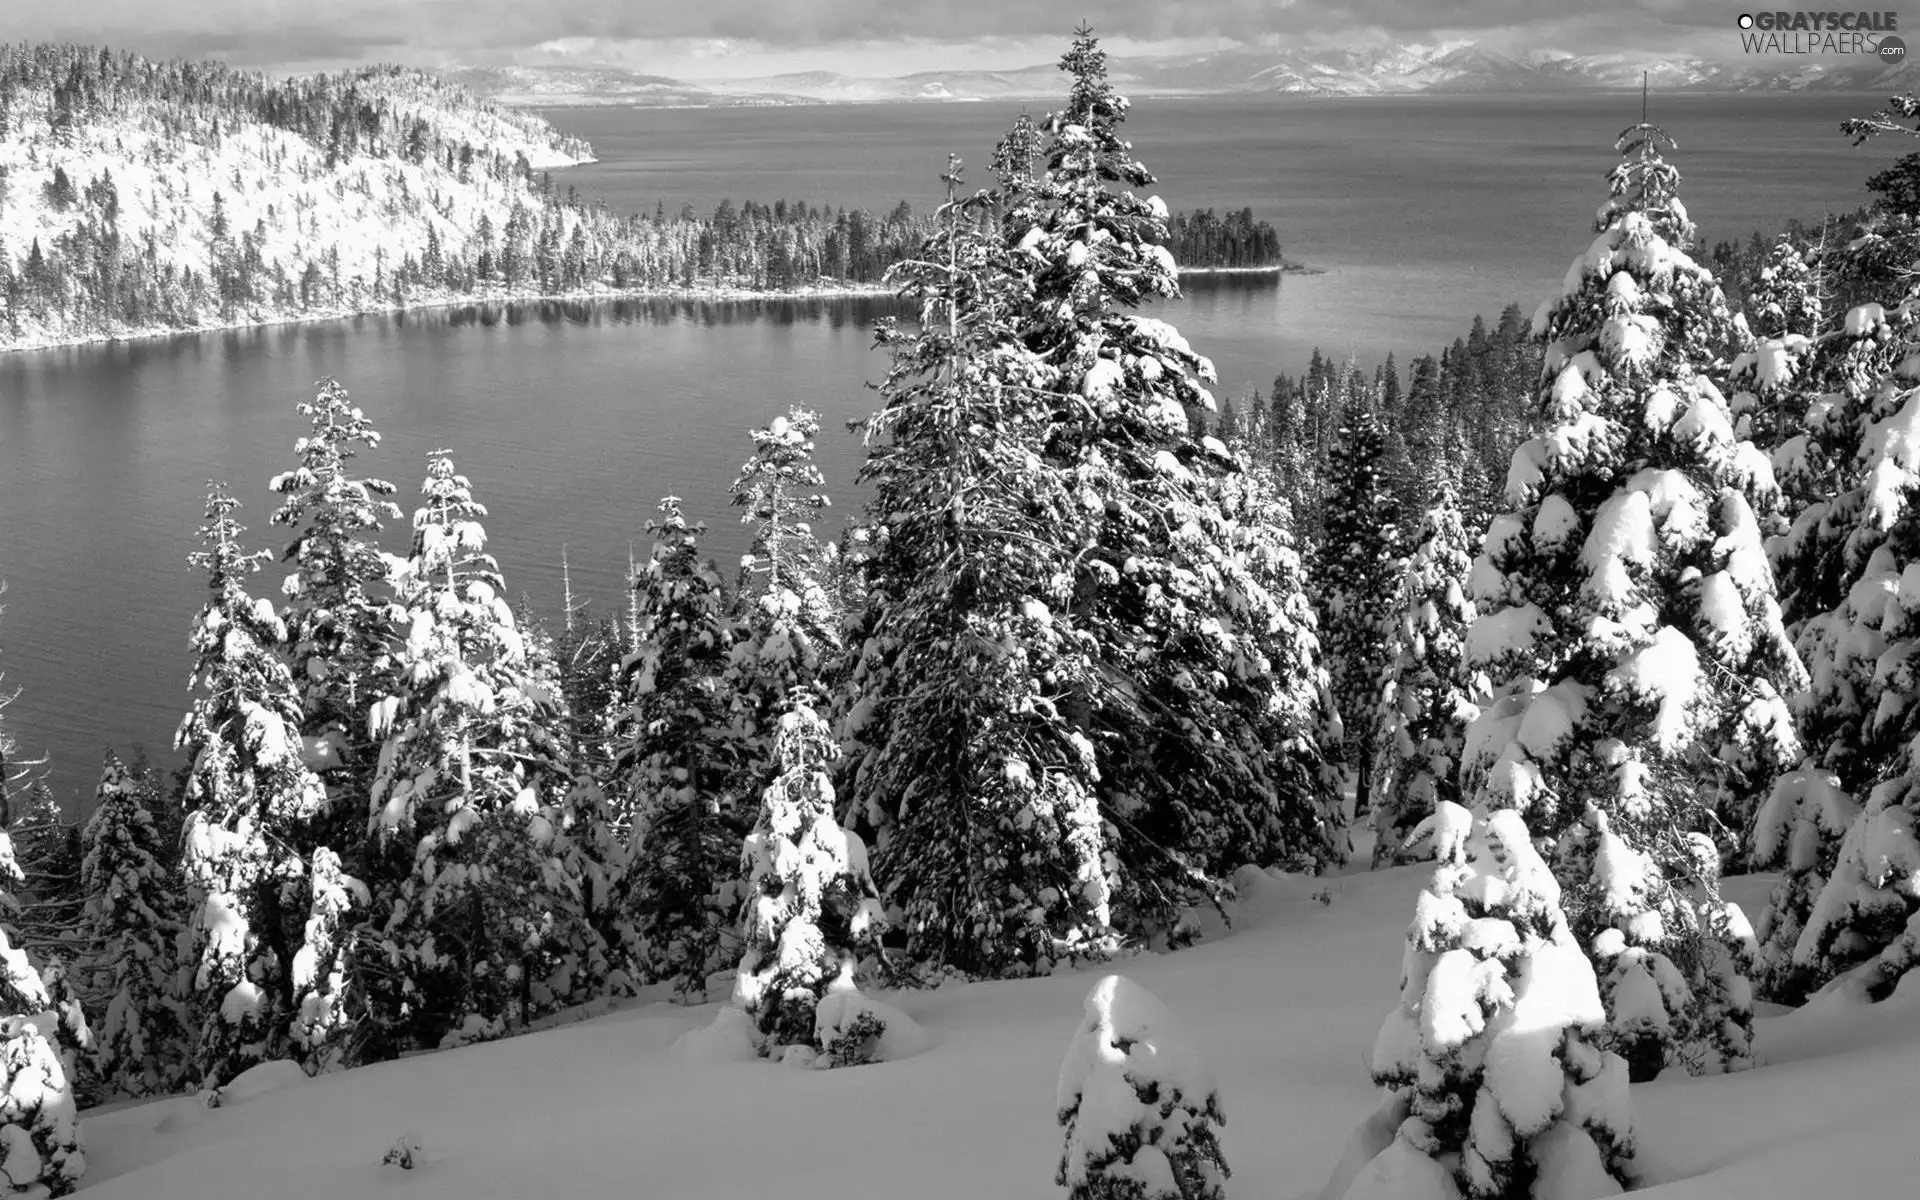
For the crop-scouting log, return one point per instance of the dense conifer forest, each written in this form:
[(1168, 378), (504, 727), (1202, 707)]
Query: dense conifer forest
[(1589, 607)]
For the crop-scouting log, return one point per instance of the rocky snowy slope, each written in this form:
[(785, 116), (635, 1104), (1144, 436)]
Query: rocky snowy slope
[(1285, 1008)]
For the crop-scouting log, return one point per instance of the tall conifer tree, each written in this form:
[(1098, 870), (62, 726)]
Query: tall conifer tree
[(1358, 564), (978, 785), (463, 796), (789, 632), (334, 607), (247, 785), (1628, 617), (1426, 697), (678, 767), (133, 912), (1180, 706)]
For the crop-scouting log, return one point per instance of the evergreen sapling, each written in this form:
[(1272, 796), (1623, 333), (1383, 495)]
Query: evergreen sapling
[(1139, 1106), (811, 908)]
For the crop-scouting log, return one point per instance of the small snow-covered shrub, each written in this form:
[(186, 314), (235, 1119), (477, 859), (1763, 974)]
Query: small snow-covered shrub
[(1139, 1106), (1493, 1042), (855, 1041), (404, 1151), (40, 1144), (852, 1027)]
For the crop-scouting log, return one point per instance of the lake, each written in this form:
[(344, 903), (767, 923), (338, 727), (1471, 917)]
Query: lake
[(573, 420)]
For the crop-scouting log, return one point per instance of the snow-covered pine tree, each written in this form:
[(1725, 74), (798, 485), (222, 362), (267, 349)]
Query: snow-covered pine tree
[(585, 947), (71, 1032), (46, 845), (39, 1125), (164, 798), (133, 907), (1179, 709), (39, 1122), (1787, 296), (1840, 568), (1849, 905), (1770, 401), (321, 1023), (1819, 463), (1139, 1105), (810, 907), (1799, 831), (1626, 607), (1672, 961), (21, 989), (1865, 921), (336, 621), (247, 786), (1782, 377), (1357, 565), (1308, 779), (1493, 1045), (49, 922), (580, 665), (462, 796), (1863, 886), (676, 759), (990, 845), (788, 633), (1426, 698)]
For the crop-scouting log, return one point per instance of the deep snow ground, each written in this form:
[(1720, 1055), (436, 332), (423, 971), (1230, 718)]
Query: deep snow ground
[(1285, 1007)]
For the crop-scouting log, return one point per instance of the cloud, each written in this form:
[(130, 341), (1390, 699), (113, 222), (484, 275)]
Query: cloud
[(254, 32)]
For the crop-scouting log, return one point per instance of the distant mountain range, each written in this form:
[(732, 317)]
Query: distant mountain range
[(1449, 68)]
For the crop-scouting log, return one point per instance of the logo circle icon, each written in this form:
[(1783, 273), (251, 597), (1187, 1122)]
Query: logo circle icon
[(1745, 21), (1892, 50)]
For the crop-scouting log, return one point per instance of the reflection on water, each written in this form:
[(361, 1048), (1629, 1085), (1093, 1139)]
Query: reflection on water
[(1247, 298), (835, 311), (571, 417)]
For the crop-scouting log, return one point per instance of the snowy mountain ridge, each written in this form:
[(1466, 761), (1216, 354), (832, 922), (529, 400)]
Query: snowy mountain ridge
[(1443, 67)]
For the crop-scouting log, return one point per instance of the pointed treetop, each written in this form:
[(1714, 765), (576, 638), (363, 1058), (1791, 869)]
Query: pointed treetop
[(671, 517), (804, 741), (114, 777), (1444, 503), (1091, 101), (450, 492), (222, 559), (1013, 156), (1645, 182), (953, 177)]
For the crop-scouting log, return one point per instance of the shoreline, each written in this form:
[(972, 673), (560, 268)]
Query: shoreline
[(443, 303), (717, 293), (1281, 268)]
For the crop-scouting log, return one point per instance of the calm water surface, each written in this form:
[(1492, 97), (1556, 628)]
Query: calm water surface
[(574, 420)]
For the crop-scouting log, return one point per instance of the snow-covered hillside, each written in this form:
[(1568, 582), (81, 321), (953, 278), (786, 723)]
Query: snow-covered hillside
[(134, 200), (146, 198), (1284, 1007)]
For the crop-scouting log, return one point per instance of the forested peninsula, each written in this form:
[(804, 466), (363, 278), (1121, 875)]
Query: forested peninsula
[(141, 197)]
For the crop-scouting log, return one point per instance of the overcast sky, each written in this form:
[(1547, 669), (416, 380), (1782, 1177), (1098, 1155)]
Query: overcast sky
[(722, 38)]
